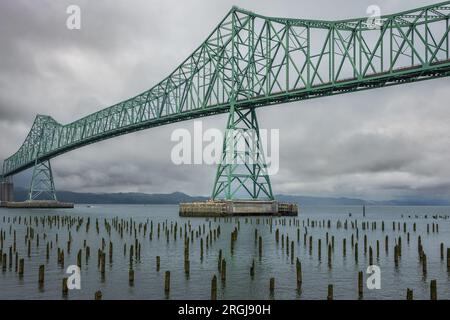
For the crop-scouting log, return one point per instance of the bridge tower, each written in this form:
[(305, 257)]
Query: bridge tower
[(42, 185), (242, 172)]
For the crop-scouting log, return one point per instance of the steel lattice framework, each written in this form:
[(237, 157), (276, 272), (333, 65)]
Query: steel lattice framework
[(250, 60)]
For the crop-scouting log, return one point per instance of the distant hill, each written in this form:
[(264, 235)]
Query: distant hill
[(21, 194)]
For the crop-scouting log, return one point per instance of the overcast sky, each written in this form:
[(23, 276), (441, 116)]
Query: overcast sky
[(380, 144)]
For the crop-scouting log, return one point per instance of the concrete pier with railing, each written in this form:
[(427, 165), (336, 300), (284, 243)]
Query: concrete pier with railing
[(224, 208)]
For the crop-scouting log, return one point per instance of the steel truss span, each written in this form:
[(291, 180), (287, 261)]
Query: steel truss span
[(250, 61)]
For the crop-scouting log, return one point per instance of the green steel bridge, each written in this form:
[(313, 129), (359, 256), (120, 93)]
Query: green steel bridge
[(251, 61)]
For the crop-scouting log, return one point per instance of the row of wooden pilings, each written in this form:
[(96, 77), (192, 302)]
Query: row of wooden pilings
[(135, 249)]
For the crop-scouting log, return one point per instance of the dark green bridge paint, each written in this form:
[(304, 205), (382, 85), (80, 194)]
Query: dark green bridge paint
[(252, 61)]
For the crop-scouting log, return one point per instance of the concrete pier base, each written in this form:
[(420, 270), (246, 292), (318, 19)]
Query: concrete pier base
[(6, 191), (237, 208), (37, 204)]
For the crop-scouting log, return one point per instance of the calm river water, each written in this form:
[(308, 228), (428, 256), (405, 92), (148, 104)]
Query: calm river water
[(137, 221)]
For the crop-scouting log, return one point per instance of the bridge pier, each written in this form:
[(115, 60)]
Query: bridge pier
[(242, 184), (6, 190), (42, 192)]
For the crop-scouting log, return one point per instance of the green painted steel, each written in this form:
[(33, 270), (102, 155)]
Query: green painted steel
[(242, 172), (251, 61), (42, 185)]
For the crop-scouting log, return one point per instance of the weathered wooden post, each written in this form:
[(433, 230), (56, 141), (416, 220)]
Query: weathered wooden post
[(131, 277), (396, 256), (319, 248), (103, 264), (41, 275), (386, 244), (21, 267), (65, 289), (98, 295), (409, 294), (330, 292), (187, 267), (329, 255), (167, 282), (344, 247), (158, 263), (224, 270), (448, 259), (424, 264), (110, 252), (365, 245), (214, 288), (433, 290), (292, 252), (252, 269), (260, 247), (79, 259), (360, 284), (272, 285), (299, 274)]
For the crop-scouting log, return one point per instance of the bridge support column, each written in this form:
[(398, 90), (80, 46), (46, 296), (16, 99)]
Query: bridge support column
[(6, 190), (242, 173), (42, 186)]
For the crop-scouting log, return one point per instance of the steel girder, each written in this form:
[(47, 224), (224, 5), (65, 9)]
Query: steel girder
[(252, 61)]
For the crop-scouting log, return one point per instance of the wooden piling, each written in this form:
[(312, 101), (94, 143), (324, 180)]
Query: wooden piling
[(187, 267), (65, 289), (330, 292), (433, 290), (223, 271), (299, 274), (329, 255), (21, 267), (98, 295), (79, 258), (360, 284), (409, 294), (252, 269), (214, 288), (260, 247), (131, 277), (424, 264), (167, 282), (272, 285), (41, 274), (448, 259)]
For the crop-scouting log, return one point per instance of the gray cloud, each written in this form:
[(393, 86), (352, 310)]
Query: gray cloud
[(379, 144)]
